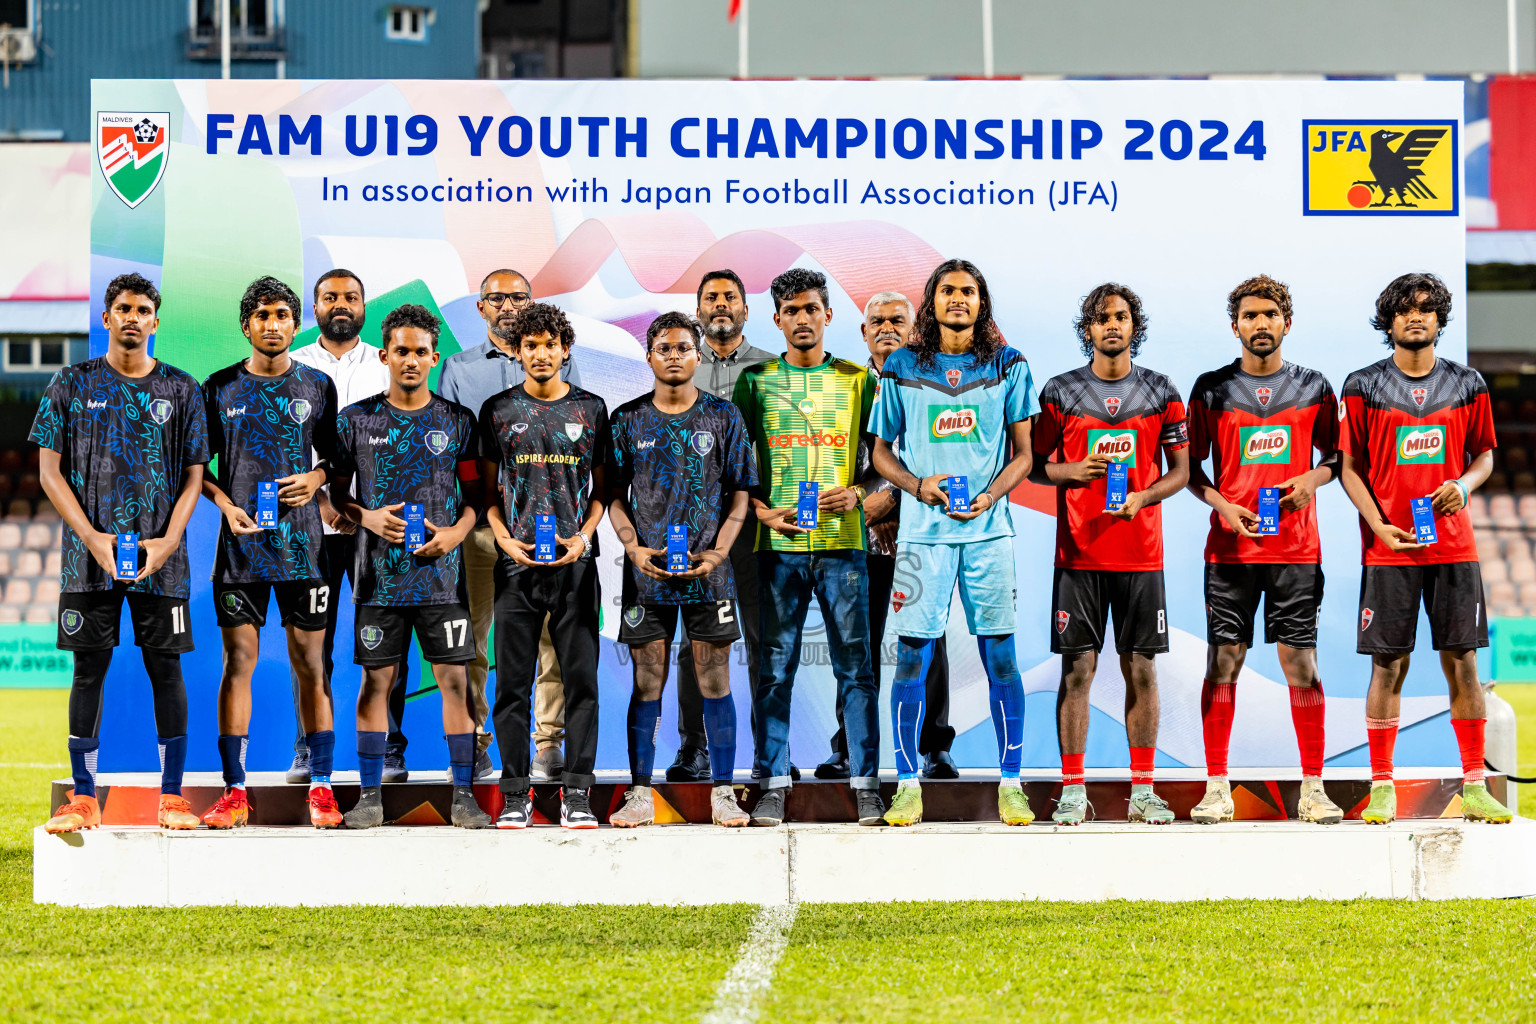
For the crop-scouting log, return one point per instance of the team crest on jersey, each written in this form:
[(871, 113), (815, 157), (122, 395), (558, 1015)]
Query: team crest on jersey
[(634, 615), (807, 408), (573, 431), (1062, 618), (372, 636), (1119, 445), (898, 598), (1265, 444), (160, 410), (1113, 405), (518, 428), (132, 149), (1420, 445), (72, 621), (298, 410), (702, 441), (437, 441), (953, 376), (1366, 615), (1419, 396), (1263, 395)]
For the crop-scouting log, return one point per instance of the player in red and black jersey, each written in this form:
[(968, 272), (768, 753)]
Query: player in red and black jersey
[(1258, 419), (1415, 426), (1110, 561)]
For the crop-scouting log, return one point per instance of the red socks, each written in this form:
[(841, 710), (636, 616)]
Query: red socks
[(1469, 737), (1308, 711), (1218, 703), (1141, 765), (1072, 769), (1381, 733)]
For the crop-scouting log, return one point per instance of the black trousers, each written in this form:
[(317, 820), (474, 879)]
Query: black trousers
[(340, 551), (936, 733), (690, 702), (569, 596)]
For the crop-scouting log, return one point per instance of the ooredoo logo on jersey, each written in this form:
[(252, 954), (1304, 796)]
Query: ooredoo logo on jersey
[(132, 149), (1380, 168), (1119, 445), (1420, 444), (950, 423), (1265, 444)]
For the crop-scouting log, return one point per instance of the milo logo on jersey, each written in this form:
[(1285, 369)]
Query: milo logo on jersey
[(953, 423), (1119, 445), (1265, 444), (1420, 445)]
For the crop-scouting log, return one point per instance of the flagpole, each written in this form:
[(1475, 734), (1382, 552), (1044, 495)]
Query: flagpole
[(741, 39), (223, 38), (987, 64)]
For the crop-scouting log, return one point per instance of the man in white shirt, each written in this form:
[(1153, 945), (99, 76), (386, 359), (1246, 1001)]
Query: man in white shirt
[(355, 367)]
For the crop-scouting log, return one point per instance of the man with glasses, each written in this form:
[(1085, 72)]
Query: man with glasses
[(469, 378)]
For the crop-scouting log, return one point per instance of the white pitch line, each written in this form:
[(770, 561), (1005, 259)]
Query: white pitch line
[(750, 977), (31, 764)]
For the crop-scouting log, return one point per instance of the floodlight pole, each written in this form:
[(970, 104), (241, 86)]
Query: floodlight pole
[(223, 38), (741, 39), (988, 66)]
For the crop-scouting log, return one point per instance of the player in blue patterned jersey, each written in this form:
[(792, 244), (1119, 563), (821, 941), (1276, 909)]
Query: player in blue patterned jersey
[(267, 416), (681, 458), (410, 447), (123, 444), (958, 401)]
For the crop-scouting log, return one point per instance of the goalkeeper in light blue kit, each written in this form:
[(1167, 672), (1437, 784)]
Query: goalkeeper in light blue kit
[(953, 410)]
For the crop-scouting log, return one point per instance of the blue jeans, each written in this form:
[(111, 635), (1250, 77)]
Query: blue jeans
[(840, 582)]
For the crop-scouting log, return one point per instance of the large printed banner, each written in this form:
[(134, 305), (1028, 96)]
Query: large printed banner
[(614, 197)]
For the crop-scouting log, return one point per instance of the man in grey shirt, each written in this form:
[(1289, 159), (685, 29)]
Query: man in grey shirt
[(470, 378), (723, 312)]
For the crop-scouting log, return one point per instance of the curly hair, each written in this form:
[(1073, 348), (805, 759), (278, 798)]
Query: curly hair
[(410, 315), (796, 280), (340, 272), (542, 318), (986, 340), (673, 322), (1261, 287), (264, 291), (1403, 294), (1093, 307), (134, 284)]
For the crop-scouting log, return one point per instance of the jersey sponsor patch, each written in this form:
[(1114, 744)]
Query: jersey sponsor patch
[(1265, 444), (953, 423), (1420, 445), (1119, 445)]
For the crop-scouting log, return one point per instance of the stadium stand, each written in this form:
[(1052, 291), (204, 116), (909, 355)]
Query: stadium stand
[(31, 535)]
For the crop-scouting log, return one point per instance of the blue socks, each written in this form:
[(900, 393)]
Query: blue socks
[(232, 757), (370, 758), (173, 761), (461, 757), (643, 720), (908, 693), (720, 727), (1006, 697), (322, 750), (82, 763)]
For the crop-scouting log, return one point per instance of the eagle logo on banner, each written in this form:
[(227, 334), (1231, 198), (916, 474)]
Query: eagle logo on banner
[(132, 149)]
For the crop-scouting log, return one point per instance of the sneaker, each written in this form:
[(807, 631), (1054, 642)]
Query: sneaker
[(232, 810), (1314, 805), (1072, 807), (368, 812), (548, 765), (176, 813), (906, 807), (690, 765), (1477, 804), (723, 808), (576, 809), (394, 768), (483, 766), (1013, 806), (323, 810), (1217, 803), (81, 812), (517, 812), (871, 807), (639, 808), (1382, 810), (465, 812), (769, 812), (939, 765), (298, 771), (1148, 807)]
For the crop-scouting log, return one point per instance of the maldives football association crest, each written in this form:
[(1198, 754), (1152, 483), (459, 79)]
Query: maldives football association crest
[(132, 148)]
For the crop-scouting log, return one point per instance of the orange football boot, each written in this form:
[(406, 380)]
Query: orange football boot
[(232, 810), (323, 812), (175, 812), (81, 812)]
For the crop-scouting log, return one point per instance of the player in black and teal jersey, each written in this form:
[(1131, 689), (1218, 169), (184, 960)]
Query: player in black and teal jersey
[(409, 449), (267, 417), (123, 443)]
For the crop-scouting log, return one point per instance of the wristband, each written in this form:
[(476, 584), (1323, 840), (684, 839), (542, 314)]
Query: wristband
[(1465, 493), (586, 545)]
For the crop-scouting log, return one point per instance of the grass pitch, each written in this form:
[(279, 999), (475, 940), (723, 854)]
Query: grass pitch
[(1364, 960)]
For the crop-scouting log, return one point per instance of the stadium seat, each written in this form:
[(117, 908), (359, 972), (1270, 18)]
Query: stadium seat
[(33, 458), (1510, 611), (9, 616), (1500, 593), (18, 592), (7, 485), (1527, 412), (1522, 572), (46, 592), (29, 487), (1516, 461), (1503, 410), (10, 462), (10, 536), (52, 565), (40, 615), (29, 564), (1497, 481), (1502, 504), (5, 564), (1516, 548), (1495, 571), (1477, 509), (39, 537), (46, 513), (18, 510), (1523, 483)]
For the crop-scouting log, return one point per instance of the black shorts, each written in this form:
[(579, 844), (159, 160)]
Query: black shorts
[(1452, 594), (1082, 601), (302, 604), (88, 622), (383, 634), (1293, 598), (713, 622)]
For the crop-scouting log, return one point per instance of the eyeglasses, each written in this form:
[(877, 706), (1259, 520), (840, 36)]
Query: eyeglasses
[(499, 299), (668, 351)]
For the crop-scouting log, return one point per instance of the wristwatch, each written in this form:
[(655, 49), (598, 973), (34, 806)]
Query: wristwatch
[(860, 492)]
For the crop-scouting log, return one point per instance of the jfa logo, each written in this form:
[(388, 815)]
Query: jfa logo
[(132, 149), (1421, 444), (1119, 445), (1376, 168), (1265, 444)]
